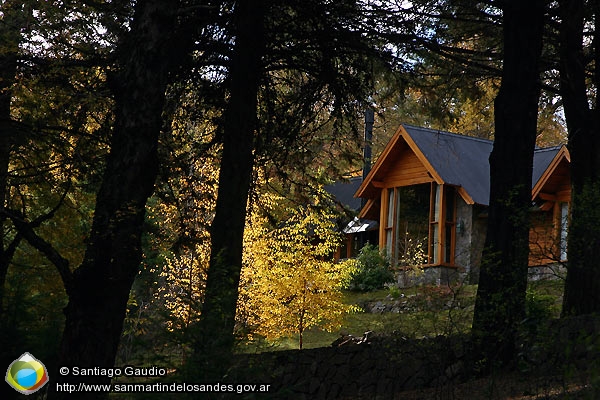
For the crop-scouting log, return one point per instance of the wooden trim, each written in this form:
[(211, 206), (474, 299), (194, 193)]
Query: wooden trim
[(562, 153), (437, 242), (380, 160), (452, 223), (442, 224), (413, 146), (365, 210), (382, 219), (400, 133), (430, 238), (465, 196), (547, 206), (547, 196), (564, 196), (556, 226)]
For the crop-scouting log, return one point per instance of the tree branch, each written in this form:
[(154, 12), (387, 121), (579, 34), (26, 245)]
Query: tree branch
[(26, 230)]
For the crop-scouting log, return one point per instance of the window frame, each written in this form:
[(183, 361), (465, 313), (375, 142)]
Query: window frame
[(441, 224)]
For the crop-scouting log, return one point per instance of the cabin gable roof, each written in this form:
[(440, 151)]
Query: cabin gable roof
[(452, 159), (555, 178)]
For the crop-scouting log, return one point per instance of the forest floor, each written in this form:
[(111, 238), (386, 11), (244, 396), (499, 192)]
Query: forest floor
[(417, 312), (427, 312), (514, 386)]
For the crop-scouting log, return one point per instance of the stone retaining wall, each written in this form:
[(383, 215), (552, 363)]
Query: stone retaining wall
[(388, 365), (371, 370)]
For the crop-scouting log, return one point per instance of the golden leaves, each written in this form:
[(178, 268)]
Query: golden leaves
[(290, 282)]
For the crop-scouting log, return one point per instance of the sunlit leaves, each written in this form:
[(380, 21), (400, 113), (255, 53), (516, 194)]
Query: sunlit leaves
[(290, 282)]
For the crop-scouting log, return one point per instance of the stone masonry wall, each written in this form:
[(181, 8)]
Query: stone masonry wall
[(371, 370)]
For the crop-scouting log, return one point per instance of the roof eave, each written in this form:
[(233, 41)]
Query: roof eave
[(562, 153)]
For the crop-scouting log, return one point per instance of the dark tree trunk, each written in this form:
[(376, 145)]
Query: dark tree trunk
[(500, 304), (10, 37), (99, 289), (582, 288), (215, 336)]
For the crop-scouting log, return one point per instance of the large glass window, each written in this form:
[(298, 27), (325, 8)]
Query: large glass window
[(420, 224), (412, 230)]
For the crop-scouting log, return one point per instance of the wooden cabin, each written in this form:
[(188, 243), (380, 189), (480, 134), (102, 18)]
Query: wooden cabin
[(428, 193)]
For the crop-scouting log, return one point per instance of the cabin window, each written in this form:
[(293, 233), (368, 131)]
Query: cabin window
[(389, 225), (420, 224), (449, 222), (564, 225)]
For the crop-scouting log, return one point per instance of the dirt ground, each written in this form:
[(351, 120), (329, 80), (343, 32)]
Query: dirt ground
[(514, 386)]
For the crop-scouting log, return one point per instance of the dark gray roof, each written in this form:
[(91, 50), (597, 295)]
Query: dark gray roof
[(464, 160), (343, 192), (541, 161)]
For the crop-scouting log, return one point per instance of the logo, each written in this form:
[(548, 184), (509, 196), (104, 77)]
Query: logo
[(26, 374)]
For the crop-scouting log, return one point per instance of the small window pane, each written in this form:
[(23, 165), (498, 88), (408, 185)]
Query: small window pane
[(434, 244), (449, 204), (448, 244), (564, 225), (436, 205), (390, 208)]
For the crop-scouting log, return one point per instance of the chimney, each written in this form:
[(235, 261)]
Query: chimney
[(369, 119)]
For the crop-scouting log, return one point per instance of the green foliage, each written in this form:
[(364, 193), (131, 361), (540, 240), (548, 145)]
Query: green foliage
[(373, 270), (539, 306)]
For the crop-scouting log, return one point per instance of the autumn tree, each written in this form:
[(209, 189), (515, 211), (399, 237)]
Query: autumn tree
[(290, 282), (319, 47), (500, 303)]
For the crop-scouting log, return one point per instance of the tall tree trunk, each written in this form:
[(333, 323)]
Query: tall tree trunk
[(214, 339), (10, 37), (582, 288), (500, 304), (99, 289)]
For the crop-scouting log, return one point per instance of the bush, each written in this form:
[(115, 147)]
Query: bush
[(538, 306), (373, 270)]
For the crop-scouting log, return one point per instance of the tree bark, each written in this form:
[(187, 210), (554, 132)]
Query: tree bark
[(500, 304), (100, 286), (10, 36), (215, 335), (582, 287)]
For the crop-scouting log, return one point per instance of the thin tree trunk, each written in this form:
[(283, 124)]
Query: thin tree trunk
[(582, 288), (500, 304), (215, 337), (100, 287)]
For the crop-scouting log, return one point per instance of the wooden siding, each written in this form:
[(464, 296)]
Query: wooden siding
[(543, 238), (406, 170), (559, 183)]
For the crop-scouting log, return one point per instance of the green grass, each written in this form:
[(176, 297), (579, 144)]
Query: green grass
[(432, 311)]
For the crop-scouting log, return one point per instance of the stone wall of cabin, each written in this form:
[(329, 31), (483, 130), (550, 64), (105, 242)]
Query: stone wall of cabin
[(463, 254), (478, 233)]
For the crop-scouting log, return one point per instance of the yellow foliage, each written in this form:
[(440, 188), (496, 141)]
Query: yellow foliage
[(289, 281), (182, 286)]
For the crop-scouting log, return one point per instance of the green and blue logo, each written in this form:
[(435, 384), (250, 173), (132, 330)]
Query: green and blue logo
[(26, 374)]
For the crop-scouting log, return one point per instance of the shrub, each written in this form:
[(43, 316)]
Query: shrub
[(373, 270), (538, 306)]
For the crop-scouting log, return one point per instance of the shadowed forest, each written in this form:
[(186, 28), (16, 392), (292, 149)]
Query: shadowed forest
[(164, 168)]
